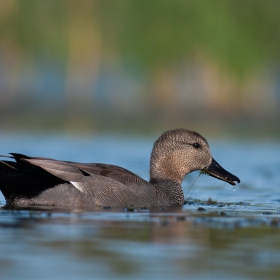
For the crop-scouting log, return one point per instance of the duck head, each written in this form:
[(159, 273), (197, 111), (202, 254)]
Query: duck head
[(179, 152)]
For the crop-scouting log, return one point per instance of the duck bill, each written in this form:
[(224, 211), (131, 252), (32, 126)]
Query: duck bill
[(217, 171)]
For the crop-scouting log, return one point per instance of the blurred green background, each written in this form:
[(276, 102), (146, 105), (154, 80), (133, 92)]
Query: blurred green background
[(140, 66)]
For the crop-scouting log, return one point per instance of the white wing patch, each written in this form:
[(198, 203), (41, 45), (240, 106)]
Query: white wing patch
[(78, 186)]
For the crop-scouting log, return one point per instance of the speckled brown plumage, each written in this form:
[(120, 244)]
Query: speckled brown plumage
[(43, 181)]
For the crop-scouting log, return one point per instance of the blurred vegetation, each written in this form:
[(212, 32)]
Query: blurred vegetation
[(214, 59), (241, 35)]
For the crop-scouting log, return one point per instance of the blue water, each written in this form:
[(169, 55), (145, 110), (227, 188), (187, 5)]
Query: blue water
[(237, 238)]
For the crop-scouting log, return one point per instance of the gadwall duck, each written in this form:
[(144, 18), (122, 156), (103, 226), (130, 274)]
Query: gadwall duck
[(44, 181)]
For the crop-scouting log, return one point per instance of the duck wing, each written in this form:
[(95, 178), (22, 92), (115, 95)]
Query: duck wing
[(75, 172), (111, 171)]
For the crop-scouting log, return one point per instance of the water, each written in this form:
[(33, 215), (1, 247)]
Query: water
[(218, 234)]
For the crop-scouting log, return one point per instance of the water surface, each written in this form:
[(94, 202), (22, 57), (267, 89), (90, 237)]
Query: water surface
[(234, 237)]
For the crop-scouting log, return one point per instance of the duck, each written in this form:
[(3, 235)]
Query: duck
[(39, 181)]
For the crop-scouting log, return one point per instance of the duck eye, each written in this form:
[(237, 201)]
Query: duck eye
[(196, 145)]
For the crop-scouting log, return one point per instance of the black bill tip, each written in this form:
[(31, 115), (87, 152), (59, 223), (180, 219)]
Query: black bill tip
[(217, 171)]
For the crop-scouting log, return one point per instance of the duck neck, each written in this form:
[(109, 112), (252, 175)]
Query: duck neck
[(166, 178), (167, 189), (165, 168)]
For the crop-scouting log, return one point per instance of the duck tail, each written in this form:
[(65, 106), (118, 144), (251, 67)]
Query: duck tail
[(7, 164), (6, 156)]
